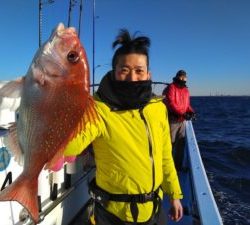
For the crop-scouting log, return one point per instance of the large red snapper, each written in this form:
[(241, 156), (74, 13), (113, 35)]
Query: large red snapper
[(54, 97)]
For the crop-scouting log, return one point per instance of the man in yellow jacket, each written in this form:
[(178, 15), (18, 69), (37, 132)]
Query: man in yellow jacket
[(131, 142)]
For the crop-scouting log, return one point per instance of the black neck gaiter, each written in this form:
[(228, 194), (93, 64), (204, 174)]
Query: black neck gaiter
[(124, 95), (180, 83)]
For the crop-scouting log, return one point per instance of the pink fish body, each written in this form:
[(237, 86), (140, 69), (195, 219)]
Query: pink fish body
[(54, 98)]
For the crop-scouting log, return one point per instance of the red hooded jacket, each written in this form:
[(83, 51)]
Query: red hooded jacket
[(177, 100)]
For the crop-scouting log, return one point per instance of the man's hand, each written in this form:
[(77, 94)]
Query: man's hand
[(189, 116), (176, 210)]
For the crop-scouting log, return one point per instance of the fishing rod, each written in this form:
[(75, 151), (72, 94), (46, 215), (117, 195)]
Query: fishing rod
[(153, 82), (80, 19), (40, 7), (93, 72), (158, 82), (72, 3)]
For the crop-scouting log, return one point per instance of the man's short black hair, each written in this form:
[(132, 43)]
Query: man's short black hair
[(130, 44)]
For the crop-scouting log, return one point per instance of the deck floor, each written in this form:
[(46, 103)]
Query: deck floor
[(82, 217)]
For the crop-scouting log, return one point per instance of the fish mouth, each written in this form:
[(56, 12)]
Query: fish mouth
[(61, 30), (51, 61), (60, 27)]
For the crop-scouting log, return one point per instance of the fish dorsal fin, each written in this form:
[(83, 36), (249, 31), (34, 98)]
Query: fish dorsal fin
[(12, 89), (11, 142)]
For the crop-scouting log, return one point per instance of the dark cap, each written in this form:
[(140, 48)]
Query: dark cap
[(181, 73)]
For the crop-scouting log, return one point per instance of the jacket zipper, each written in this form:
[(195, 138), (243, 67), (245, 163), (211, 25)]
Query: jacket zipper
[(150, 147)]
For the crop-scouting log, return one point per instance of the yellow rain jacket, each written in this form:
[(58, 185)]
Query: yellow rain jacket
[(133, 155)]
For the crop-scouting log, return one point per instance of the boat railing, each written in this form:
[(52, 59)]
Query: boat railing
[(204, 198)]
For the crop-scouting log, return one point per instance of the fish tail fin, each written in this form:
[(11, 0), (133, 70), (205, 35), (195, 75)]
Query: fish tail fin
[(24, 191)]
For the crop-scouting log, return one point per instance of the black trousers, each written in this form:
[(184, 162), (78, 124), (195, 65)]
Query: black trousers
[(103, 217), (178, 142)]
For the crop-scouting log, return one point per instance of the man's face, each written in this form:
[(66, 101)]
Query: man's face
[(183, 78), (132, 67)]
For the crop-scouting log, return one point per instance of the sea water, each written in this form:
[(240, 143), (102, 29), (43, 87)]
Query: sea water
[(222, 130)]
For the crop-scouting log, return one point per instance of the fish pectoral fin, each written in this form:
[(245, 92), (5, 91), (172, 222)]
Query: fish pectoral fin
[(56, 161), (12, 89), (11, 142), (38, 75)]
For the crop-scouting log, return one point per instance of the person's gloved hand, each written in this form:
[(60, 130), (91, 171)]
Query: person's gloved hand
[(190, 116)]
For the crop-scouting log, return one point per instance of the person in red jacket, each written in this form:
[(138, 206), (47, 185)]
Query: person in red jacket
[(177, 100)]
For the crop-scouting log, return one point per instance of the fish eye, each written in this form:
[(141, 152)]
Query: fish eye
[(73, 57)]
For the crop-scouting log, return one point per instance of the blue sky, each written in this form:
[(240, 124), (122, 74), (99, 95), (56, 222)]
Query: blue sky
[(208, 39)]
